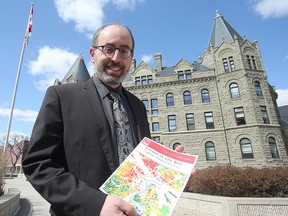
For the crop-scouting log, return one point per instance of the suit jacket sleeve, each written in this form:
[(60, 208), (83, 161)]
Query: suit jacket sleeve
[(45, 165)]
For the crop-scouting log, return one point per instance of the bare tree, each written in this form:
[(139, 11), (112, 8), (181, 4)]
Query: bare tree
[(15, 149)]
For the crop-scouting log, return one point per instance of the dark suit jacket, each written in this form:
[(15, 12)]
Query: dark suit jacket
[(70, 153)]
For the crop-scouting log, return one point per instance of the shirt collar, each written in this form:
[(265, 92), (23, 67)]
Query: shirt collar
[(104, 90)]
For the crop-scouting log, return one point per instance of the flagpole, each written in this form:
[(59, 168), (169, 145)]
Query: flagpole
[(25, 42)]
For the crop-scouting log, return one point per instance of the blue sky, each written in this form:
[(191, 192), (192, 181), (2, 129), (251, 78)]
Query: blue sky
[(176, 28)]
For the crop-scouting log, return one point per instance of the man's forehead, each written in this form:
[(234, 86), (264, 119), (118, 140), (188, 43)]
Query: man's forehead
[(115, 32)]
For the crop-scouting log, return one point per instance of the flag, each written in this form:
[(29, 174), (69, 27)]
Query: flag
[(29, 25)]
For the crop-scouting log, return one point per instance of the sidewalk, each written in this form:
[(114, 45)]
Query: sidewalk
[(32, 204)]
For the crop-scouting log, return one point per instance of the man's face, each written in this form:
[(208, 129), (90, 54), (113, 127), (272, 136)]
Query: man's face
[(112, 69)]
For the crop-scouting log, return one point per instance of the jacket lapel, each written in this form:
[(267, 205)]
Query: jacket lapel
[(102, 128)]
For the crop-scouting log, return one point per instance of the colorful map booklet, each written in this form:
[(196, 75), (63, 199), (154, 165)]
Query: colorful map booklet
[(151, 178)]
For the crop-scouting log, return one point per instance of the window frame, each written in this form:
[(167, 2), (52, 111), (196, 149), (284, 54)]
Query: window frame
[(244, 143)]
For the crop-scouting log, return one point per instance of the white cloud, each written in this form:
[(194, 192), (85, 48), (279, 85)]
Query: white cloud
[(88, 15), (52, 63), (20, 115), (127, 4), (282, 97), (147, 58), (286, 57), (271, 8)]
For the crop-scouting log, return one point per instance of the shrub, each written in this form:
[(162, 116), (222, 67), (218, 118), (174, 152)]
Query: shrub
[(240, 182)]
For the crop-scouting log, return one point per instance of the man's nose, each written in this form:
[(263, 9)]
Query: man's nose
[(116, 55)]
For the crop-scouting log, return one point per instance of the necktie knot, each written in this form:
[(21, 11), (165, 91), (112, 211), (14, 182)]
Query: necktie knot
[(114, 95)]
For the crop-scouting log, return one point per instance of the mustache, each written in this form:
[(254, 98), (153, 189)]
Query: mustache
[(114, 64)]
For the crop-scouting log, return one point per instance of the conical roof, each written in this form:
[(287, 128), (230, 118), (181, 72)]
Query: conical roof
[(78, 71), (222, 31)]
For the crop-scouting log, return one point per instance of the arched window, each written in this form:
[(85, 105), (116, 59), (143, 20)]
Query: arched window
[(258, 88), (205, 96), (187, 97), (246, 148), (273, 147), (175, 145), (234, 90), (169, 99), (210, 151)]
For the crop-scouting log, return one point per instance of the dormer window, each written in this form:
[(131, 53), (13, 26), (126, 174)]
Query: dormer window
[(143, 80), (186, 74)]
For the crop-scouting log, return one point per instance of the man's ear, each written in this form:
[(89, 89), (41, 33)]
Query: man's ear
[(92, 53)]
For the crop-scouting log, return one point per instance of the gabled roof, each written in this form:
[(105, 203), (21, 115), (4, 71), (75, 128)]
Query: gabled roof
[(166, 72), (222, 31), (78, 71)]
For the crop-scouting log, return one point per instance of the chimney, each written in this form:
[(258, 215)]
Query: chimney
[(158, 59), (133, 65)]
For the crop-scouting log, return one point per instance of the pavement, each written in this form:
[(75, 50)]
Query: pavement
[(32, 204)]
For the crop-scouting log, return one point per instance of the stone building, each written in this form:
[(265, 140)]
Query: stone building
[(220, 107)]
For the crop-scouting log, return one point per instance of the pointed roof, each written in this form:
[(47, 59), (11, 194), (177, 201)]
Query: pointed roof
[(78, 71), (222, 31)]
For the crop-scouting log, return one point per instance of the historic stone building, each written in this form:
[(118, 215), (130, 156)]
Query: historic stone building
[(220, 107)]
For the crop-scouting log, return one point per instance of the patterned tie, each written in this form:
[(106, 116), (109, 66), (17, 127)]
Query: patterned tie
[(122, 128)]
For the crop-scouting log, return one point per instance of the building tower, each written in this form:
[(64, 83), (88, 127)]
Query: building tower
[(220, 107)]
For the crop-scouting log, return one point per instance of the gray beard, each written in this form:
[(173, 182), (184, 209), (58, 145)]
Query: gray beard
[(105, 78)]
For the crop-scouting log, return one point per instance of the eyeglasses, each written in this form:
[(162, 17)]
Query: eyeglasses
[(108, 50)]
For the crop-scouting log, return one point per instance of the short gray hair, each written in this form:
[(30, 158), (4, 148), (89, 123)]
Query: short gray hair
[(97, 33)]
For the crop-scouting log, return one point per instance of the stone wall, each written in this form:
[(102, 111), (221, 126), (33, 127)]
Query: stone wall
[(9, 202), (206, 205)]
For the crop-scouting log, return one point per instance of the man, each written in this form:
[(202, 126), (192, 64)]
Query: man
[(74, 145)]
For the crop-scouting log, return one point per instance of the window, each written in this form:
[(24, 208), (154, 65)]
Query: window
[(156, 139), (180, 75), (137, 81), (251, 62), (143, 80), (172, 123), (146, 105), (231, 62), (187, 97), (205, 96), (248, 60), (190, 122), (210, 151), (209, 120), (234, 90), (154, 106), (239, 115), (258, 88), (264, 115), (150, 79), (184, 74), (246, 148), (155, 126), (225, 64), (169, 99), (175, 145), (188, 74), (273, 147)]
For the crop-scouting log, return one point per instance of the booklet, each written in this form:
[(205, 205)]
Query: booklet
[(151, 178)]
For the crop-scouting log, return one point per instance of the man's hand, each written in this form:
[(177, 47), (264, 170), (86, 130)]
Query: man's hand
[(115, 206), (180, 148)]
